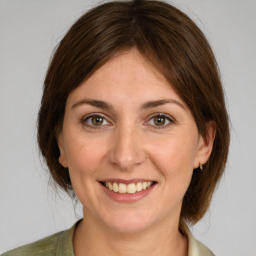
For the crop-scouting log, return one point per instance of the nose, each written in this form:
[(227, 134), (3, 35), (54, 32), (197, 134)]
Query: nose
[(127, 148)]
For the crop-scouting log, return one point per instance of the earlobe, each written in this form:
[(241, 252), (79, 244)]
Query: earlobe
[(62, 157), (205, 145)]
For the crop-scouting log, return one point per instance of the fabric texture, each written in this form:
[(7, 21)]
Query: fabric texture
[(61, 244)]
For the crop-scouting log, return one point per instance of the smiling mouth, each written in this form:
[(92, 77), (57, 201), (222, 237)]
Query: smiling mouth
[(131, 188)]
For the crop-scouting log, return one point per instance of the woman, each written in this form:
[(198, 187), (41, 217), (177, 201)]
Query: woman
[(133, 123)]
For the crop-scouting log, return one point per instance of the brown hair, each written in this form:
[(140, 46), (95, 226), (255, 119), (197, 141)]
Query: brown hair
[(172, 42)]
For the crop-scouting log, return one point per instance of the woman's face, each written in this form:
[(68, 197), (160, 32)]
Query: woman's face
[(125, 128)]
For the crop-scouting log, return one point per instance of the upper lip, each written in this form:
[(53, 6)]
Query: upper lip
[(126, 181)]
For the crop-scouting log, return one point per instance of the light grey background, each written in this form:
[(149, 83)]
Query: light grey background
[(29, 209)]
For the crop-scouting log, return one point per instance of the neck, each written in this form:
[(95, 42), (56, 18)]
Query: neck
[(91, 238)]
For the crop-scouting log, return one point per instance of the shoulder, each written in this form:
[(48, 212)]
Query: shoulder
[(46, 246), (59, 244), (201, 249), (196, 248)]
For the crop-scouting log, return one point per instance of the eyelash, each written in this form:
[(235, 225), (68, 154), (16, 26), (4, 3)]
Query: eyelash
[(84, 120), (162, 115)]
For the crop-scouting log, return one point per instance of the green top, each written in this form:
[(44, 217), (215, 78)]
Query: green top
[(61, 244)]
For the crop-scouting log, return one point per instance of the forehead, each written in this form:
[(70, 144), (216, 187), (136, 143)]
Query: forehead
[(126, 78)]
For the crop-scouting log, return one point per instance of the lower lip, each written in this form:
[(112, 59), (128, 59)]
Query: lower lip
[(128, 197)]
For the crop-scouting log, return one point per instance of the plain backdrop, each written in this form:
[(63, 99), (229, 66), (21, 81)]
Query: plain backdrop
[(29, 207)]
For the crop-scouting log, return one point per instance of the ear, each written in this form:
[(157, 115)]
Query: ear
[(205, 145), (62, 157)]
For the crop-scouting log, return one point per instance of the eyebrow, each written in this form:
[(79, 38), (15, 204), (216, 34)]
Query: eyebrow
[(156, 103), (94, 103), (146, 105)]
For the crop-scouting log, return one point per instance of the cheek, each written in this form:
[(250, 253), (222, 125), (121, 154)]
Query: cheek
[(174, 159), (83, 153), (84, 159)]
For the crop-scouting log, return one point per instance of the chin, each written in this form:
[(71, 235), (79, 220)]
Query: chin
[(127, 223), (129, 227)]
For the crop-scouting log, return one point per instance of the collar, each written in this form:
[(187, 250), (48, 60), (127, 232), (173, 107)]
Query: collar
[(65, 244)]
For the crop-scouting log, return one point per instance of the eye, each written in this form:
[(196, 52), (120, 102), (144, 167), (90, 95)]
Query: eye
[(160, 120), (94, 121)]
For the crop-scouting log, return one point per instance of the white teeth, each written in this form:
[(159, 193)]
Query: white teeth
[(115, 187), (129, 188), (139, 186), (144, 185), (110, 186), (122, 188)]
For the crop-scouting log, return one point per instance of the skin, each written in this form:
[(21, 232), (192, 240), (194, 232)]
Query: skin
[(128, 144)]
